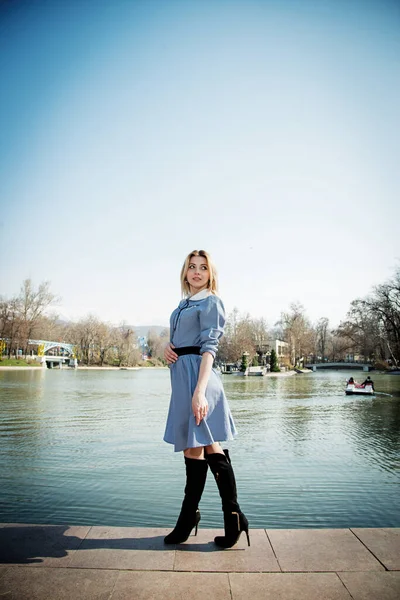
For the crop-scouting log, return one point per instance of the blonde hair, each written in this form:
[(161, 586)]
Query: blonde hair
[(212, 271)]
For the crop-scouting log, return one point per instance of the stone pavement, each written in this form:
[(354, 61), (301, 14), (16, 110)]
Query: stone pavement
[(61, 562)]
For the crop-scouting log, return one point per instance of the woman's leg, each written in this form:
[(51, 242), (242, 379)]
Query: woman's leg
[(234, 520), (196, 453), (189, 517), (213, 449)]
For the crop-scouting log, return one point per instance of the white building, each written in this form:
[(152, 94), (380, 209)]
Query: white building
[(281, 348)]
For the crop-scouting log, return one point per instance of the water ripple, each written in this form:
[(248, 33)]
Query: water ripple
[(86, 448)]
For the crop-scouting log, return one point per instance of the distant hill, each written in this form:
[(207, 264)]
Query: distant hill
[(143, 330)]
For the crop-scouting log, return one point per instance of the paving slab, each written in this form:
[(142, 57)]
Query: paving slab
[(39, 545), (200, 553), (324, 550), (49, 583), (125, 548), (372, 586), (384, 543), (287, 586), (171, 586)]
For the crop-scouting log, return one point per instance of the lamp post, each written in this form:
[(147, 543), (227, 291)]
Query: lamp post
[(268, 362), (260, 343)]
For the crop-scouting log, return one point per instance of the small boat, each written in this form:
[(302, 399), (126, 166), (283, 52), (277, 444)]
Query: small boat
[(359, 389)]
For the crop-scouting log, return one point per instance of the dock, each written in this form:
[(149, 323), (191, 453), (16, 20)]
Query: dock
[(76, 562)]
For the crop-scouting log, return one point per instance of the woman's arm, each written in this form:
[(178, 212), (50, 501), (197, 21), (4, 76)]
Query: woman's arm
[(199, 401), (212, 321), (206, 364)]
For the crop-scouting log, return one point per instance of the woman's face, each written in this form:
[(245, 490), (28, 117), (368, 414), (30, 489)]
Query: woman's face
[(197, 274)]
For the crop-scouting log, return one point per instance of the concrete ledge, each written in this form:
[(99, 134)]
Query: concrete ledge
[(57, 562), (384, 543)]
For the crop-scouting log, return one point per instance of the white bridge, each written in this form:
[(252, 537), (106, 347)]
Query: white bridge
[(65, 355)]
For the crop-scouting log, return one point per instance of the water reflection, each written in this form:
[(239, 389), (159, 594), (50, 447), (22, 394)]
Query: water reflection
[(375, 431)]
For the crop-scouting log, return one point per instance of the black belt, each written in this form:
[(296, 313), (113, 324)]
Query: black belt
[(187, 350)]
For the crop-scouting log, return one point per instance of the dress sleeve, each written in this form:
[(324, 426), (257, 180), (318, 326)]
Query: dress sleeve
[(212, 321)]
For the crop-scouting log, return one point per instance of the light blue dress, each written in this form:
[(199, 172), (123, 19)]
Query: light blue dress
[(198, 322)]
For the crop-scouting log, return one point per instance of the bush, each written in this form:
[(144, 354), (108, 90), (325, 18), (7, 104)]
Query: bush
[(285, 362), (151, 362), (244, 364), (381, 365)]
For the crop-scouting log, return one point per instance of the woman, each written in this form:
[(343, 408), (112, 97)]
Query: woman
[(199, 416)]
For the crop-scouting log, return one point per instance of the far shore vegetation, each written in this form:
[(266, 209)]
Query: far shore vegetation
[(370, 332), (18, 362)]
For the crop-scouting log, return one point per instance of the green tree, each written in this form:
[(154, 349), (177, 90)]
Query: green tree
[(274, 362), (245, 363)]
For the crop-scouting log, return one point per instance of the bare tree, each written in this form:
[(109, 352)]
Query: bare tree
[(297, 332), (338, 346), (10, 323), (322, 334), (156, 343), (384, 306), (50, 328), (83, 335), (260, 335), (242, 334), (373, 323), (126, 350), (33, 303), (104, 340), (360, 329)]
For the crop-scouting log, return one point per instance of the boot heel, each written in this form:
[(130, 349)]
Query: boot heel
[(183, 529), (248, 537), (189, 517), (198, 517)]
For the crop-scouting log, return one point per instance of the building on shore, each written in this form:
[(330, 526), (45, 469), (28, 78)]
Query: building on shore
[(264, 348)]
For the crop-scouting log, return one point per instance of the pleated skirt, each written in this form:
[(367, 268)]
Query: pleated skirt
[(181, 429)]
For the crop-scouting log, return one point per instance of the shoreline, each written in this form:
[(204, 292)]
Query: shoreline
[(19, 368), (95, 368), (39, 367), (282, 374)]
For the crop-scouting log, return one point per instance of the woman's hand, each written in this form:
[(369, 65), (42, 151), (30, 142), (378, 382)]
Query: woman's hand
[(169, 355), (199, 406)]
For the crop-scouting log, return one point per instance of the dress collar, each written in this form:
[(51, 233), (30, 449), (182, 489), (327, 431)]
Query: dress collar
[(200, 295)]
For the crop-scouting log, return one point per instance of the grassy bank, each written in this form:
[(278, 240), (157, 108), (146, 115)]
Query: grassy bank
[(18, 362)]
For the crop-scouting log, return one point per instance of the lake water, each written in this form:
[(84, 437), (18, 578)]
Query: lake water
[(85, 447)]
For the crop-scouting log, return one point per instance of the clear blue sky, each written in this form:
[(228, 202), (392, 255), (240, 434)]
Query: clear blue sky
[(266, 132)]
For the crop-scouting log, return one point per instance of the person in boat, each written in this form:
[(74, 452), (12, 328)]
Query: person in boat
[(199, 416), (350, 381), (368, 381)]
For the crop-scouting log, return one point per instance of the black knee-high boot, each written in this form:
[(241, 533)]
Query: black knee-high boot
[(234, 520), (196, 475)]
